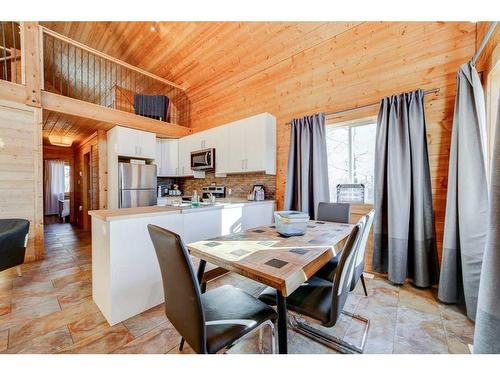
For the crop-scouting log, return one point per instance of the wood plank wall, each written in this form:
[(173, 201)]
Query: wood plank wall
[(357, 67), (21, 170)]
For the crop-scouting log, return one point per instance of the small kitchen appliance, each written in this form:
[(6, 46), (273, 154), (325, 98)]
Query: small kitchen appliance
[(203, 160), (216, 191), (258, 193)]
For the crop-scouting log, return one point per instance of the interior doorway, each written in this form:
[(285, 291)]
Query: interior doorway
[(89, 189), (58, 197)]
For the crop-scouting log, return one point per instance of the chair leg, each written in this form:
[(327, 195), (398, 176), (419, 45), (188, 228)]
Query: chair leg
[(364, 285), (181, 345), (272, 329), (331, 341), (18, 270)]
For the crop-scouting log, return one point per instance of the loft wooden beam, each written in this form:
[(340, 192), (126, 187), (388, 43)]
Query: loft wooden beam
[(33, 63), (64, 104)]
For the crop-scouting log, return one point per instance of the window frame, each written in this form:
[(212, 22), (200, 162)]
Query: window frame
[(67, 165), (350, 124)]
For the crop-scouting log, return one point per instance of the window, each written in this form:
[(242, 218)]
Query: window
[(351, 150), (66, 177)]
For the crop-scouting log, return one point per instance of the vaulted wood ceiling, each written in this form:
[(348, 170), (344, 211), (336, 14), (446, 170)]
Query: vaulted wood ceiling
[(201, 55)]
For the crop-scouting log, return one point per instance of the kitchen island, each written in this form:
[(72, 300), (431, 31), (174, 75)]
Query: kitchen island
[(126, 277)]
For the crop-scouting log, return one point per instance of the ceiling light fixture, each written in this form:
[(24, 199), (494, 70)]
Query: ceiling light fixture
[(60, 140), (153, 28)]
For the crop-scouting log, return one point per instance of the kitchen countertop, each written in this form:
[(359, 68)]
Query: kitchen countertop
[(126, 213)]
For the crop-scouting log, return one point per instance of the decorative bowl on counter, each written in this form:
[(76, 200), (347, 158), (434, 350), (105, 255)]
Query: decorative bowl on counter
[(291, 223)]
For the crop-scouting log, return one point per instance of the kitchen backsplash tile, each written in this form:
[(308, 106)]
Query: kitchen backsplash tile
[(240, 184)]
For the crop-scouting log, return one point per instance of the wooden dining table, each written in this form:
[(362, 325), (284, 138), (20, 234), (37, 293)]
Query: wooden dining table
[(283, 263)]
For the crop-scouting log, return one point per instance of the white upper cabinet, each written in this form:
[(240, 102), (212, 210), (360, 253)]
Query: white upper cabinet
[(167, 157), (243, 146), (186, 146), (218, 139), (134, 143), (252, 145)]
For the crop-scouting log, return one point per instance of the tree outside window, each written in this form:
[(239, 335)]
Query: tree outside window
[(351, 151)]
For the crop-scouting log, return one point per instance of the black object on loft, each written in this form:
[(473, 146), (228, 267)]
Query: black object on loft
[(152, 106)]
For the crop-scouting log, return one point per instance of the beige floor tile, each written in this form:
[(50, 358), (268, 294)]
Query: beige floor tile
[(28, 312), (74, 294), (4, 340), (52, 342), (419, 332), (30, 329), (105, 341), (73, 277), (158, 340), (87, 325), (140, 324)]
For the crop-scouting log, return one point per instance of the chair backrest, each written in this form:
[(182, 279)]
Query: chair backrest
[(344, 271), (182, 293), (359, 266), (335, 212)]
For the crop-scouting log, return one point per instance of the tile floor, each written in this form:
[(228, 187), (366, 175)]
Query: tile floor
[(50, 310)]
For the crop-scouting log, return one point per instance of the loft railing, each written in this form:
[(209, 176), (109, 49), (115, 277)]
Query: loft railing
[(10, 52), (72, 69)]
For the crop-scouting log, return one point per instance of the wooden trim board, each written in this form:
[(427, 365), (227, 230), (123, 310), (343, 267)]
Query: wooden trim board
[(63, 104), (58, 103)]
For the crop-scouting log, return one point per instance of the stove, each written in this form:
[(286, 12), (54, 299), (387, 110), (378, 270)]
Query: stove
[(217, 191)]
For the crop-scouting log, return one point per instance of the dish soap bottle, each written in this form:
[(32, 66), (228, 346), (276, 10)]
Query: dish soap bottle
[(195, 199)]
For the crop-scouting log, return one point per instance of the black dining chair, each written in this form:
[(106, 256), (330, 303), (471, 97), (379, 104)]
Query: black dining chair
[(323, 301), (211, 322), (327, 272), (13, 241), (336, 213)]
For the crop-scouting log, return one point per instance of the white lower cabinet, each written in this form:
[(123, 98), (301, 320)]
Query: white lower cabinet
[(201, 225), (231, 220), (256, 215)]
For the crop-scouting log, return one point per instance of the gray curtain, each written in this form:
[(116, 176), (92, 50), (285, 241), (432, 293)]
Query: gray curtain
[(307, 176), (404, 235), (466, 218), (487, 330)]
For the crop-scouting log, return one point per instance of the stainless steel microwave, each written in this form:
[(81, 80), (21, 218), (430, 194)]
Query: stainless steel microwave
[(203, 160)]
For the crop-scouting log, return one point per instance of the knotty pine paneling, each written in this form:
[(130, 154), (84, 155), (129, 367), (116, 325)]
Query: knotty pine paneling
[(358, 66), (21, 170)]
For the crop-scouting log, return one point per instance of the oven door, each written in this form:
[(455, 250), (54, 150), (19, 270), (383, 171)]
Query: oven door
[(203, 160)]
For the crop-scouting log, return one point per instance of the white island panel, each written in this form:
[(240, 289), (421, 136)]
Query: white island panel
[(126, 278)]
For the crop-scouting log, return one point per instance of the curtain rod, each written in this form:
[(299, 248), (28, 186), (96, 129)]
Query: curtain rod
[(485, 40), (426, 92)]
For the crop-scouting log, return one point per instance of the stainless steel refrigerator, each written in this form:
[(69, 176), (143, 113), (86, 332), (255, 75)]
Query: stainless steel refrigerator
[(137, 185)]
